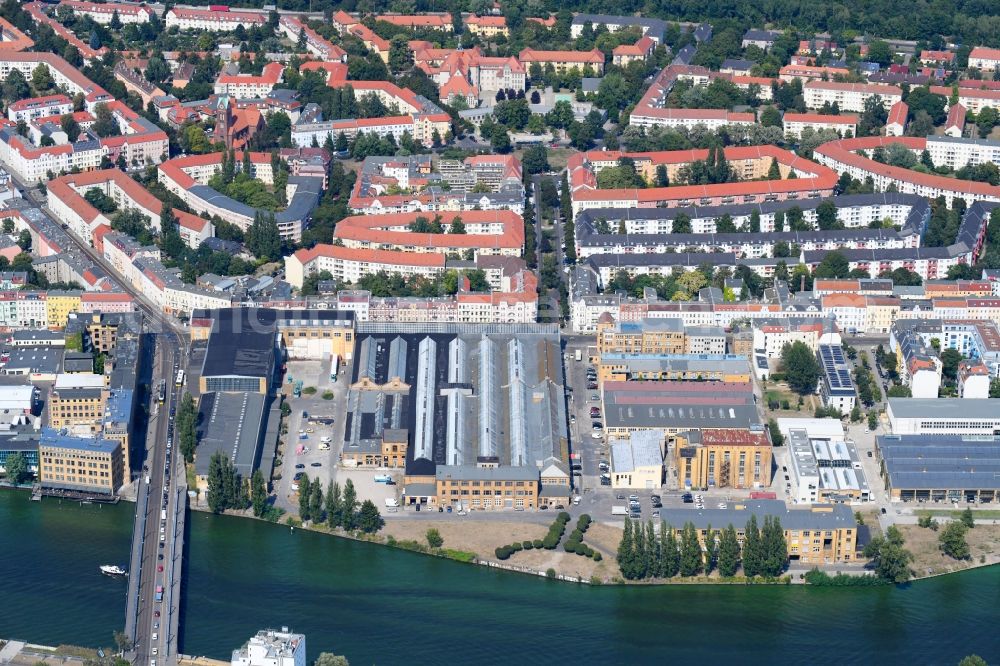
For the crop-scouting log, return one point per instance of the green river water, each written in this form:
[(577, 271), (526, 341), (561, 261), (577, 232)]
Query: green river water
[(378, 605)]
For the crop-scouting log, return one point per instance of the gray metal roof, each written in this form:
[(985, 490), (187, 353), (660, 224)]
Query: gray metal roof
[(641, 449), (941, 462), (822, 517), (231, 423), (950, 408), (476, 473)]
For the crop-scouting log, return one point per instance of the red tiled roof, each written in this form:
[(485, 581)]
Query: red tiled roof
[(897, 114), (381, 229), (984, 53), (593, 57), (388, 257)]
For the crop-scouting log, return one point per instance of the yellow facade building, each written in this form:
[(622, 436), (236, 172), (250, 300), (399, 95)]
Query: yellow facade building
[(820, 534), (651, 336), (84, 465), (723, 458), (60, 304), (77, 408)]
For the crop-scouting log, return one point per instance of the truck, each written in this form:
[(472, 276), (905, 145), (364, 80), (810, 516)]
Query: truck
[(579, 355), (163, 514), (383, 478), (391, 503), (619, 511), (159, 593)]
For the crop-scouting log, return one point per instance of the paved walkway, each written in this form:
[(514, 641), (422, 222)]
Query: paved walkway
[(10, 651)]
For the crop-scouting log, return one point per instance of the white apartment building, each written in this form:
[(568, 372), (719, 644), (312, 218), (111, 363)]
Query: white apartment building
[(795, 123), (212, 20), (848, 96), (39, 107), (712, 119), (984, 58), (102, 13), (957, 152)]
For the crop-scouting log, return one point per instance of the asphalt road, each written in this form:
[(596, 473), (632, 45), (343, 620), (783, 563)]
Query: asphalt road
[(170, 341)]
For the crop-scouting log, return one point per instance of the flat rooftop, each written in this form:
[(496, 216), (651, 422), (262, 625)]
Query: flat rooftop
[(821, 516), (941, 462), (233, 424), (950, 408), (462, 392)]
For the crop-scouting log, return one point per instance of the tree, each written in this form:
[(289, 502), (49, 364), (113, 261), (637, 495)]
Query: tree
[(70, 127), (316, 501), (263, 237), (967, 519), (950, 358), (186, 425), (334, 506), (41, 78), (434, 539), (330, 659), (217, 490), (773, 171), (626, 552), (777, 439), (753, 549), (15, 86), (400, 55), (305, 490), (690, 551), (833, 266), (349, 507), (800, 366), (775, 547), (535, 160), (888, 557), (952, 540), (826, 215), (729, 553), (258, 493), (499, 139), (17, 468), (879, 51), (973, 660), (681, 224), (770, 117), (171, 242), (369, 519)]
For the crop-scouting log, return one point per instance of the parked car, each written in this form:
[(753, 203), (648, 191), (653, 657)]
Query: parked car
[(300, 466)]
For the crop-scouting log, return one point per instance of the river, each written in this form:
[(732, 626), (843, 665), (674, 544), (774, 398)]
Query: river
[(378, 605)]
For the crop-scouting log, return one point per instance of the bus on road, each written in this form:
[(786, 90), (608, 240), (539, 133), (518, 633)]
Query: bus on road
[(180, 378)]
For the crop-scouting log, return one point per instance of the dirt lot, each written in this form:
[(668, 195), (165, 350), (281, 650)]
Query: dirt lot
[(557, 157), (482, 538), (984, 542)]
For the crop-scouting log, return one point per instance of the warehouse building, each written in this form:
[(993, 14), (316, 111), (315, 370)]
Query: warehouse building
[(233, 424), (941, 467), (637, 462), (242, 351), (959, 416), (469, 398), (677, 406)]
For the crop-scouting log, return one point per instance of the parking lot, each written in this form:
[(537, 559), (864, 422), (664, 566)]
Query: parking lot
[(587, 445), (311, 420)]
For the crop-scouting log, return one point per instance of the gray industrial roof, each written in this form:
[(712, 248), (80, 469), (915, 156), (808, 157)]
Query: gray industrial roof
[(830, 517), (231, 423), (476, 473), (641, 449), (952, 408), (941, 462)]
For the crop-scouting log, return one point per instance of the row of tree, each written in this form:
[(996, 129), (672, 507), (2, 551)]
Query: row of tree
[(690, 551), (338, 507)]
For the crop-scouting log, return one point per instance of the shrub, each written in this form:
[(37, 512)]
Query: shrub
[(583, 524), (502, 553), (550, 573), (309, 390), (539, 544), (564, 517), (576, 535), (328, 395), (515, 547), (597, 556), (550, 542), (570, 546), (528, 545)]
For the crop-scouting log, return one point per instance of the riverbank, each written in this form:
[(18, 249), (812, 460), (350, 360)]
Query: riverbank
[(474, 542)]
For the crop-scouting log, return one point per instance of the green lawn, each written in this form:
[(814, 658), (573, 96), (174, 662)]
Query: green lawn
[(985, 514)]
